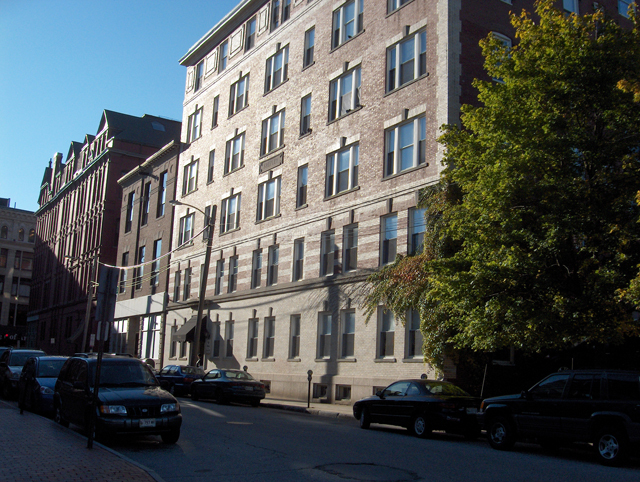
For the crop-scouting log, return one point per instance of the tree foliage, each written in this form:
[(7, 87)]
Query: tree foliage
[(533, 234)]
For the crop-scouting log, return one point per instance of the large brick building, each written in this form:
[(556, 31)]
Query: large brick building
[(77, 221), (309, 127)]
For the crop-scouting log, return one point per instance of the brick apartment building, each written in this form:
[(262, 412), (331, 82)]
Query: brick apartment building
[(80, 202), (17, 237), (309, 128)]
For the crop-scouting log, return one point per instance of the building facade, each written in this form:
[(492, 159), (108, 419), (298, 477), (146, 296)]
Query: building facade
[(76, 231), (17, 238)]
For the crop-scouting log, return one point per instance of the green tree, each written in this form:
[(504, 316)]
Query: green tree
[(533, 229)]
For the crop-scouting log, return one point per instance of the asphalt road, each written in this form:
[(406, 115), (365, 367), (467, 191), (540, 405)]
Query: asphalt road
[(241, 443)]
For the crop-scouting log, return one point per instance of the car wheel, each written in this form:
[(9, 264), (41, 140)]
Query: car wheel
[(171, 437), (194, 394), (611, 446), (419, 426), (502, 433), (58, 418), (365, 418)]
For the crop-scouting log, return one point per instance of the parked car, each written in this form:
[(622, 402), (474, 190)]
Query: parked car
[(598, 406), (11, 363), (177, 379), (226, 386), (421, 406), (130, 398), (37, 380)]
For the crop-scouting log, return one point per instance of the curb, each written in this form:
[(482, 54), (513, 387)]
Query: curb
[(310, 411)]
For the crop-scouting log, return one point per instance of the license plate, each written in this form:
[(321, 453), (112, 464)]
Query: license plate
[(472, 410), (248, 388), (147, 422)]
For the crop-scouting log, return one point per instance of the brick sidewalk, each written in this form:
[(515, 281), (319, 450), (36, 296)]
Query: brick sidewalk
[(36, 449)]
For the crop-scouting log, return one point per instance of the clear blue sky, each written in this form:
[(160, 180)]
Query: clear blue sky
[(62, 62)]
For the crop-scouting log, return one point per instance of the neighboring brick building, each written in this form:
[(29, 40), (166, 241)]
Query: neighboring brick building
[(17, 237), (77, 223), (309, 127), (145, 240)]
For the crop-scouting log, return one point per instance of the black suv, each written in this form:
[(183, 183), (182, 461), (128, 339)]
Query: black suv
[(130, 398), (598, 406)]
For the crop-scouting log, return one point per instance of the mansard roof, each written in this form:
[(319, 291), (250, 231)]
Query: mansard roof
[(74, 150), (147, 130)]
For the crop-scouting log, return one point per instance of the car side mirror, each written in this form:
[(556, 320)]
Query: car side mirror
[(380, 394)]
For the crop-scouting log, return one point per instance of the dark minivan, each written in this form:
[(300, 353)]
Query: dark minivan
[(130, 398), (598, 406)]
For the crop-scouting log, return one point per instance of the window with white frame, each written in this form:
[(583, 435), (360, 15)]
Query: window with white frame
[(139, 271), (305, 115), (348, 334), (146, 201), (233, 274), (212, 161), (228, 336), (272, 133), (414, 335), (186, 288), (186, 228), (162, 194), (252, 341), (389, 237), (250, 36), (194, 125), (407, 60), (301, 192), (269, 337), (393, 5), (328, 253), (199, 76), (268, 199), (155, 266), (309, 43), (417, 228), (350, 242), (234, 154), (298, 259), (216, 108), (219, 276), (256, 269), (239, 95), (224, 56), (150, 339), (623, 7), (347, 22), (324, 335), (570, 6), (344, 94), (129, 219), (342, 170), (276, 69), (294, 337), (272, 265), (405, 146), (190, 177), (387, 327)]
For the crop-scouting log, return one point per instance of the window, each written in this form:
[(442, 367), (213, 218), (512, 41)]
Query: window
[(145, 203), (234, 155), (328, 253), (272, 133), (123, 272), (298, 259), (550, 388), (286, 10), (4, 232), (207, 219), (228, 335), (301, 195), (407, 60), (176, 286), (348, 334), (256, 269), (14, 286), (239, 95), (623, 7), (139, 271), (216, 108), (269, 337), (570, 6), (309, 43), (199, 75), (250, 37), (272, 265), (24, 289), (194, 125), (343, 392), (129, 219), (186, 229), (342, 170), (155, 266), (414, 335), (506, 42), (217, 341), (162, 194), (276, 70), (587, 386), (252, 342), (416, 230), (294, 337), (230, 218), (212, 158), (350, 242), (275, 14), (224, 56), (389, 238), (347, 22), (219, 276), (395, 4), (190, 178), (324, 335), (305, 115), (344, 94), (32, 236), (233, 274), (186, 291), (386, 334), (268, 199), (21, 234)]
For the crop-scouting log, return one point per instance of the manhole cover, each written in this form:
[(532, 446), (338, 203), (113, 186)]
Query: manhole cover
[(369, 472)]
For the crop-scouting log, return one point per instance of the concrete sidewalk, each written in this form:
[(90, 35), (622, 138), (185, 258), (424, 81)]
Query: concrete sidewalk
[(321, 409)]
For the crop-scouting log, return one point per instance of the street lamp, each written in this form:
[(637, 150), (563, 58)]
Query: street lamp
[(203, 279)]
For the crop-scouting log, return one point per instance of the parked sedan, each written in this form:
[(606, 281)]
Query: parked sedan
[(177, 379), (226, 386), (11, 363), (421, 406), (37, 381)]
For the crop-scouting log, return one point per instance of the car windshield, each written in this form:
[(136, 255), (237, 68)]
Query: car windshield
[(238, 375), (128, 374), (193, 371), (50, 368), (443, 388), (20, 358)]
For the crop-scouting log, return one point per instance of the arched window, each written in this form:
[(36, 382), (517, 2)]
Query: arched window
[(32, 235), (21, 234), (4, 232)]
